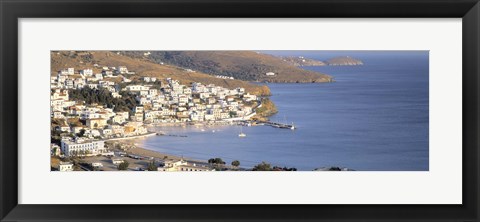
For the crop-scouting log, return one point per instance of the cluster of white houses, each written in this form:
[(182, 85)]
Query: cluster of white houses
[(168, 102), (179, 103), (183, 165)]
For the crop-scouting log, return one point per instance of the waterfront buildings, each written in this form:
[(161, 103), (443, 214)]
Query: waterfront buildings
[(80, 147), (183, 165), (82, 126)]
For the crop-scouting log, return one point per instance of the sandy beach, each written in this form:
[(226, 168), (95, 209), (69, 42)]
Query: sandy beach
[(135, 150), (150, 153)]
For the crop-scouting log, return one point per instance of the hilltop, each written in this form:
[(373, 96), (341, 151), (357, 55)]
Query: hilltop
[(244, 65), (142, 67)]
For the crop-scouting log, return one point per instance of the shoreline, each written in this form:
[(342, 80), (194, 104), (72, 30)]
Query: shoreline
[(132, 137), (140, 151)]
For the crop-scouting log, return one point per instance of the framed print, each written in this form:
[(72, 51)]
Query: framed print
[(225, 110)]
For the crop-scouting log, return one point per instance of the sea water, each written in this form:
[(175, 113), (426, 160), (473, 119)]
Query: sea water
[(373, 117)]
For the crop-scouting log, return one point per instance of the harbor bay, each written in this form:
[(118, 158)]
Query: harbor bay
[(372, 117)]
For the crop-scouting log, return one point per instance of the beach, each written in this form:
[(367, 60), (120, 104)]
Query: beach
[(139, 151)]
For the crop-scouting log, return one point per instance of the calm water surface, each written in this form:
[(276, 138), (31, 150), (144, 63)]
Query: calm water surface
[(374, 117)]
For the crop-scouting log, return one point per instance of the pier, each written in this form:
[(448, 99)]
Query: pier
[(174, 135), (278, 125), (267, 123)]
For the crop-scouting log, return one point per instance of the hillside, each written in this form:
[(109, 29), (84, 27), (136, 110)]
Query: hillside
[(142, 67), (344, 61), (302, 61), (244, 65), (337, 61)]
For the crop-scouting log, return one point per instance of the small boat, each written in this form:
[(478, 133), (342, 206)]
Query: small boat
[(241, 133), (203, 130)]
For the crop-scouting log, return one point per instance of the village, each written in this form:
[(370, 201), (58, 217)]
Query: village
[(88, 136)]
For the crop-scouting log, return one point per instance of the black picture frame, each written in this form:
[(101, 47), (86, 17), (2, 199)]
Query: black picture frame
[(11, 11)]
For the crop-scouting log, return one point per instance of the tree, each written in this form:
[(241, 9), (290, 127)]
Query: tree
[(81, 133), (54, 151), (211, 161), (219, 161), (104, 97), (235, 163), (152, 166), (277, 168), (216, 161), (124, 165), (262, 167), (218, 164)]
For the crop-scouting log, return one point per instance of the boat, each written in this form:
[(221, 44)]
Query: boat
[(241, 133)]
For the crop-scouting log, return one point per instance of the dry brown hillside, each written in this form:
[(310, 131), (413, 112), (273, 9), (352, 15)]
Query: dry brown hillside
[(344, 61), (245, 65), (143, 67)]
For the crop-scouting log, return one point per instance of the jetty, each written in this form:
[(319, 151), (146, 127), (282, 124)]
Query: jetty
[(278, 125), (174, 135), (266, 123)]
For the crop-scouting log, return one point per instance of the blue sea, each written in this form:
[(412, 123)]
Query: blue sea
[(372, 118)]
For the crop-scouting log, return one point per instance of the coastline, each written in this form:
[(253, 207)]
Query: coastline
[(140, 151), (131, 137)]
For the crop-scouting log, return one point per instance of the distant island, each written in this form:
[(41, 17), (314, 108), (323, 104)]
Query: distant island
[(337, 61)]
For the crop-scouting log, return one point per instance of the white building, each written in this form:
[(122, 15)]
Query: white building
[(97, 165), (99, 76), (122, 70), (137, 88), (107, 73), (270, 73), (182, 165), (86, 72), (65, 166), (81, 148), (117, 161)]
